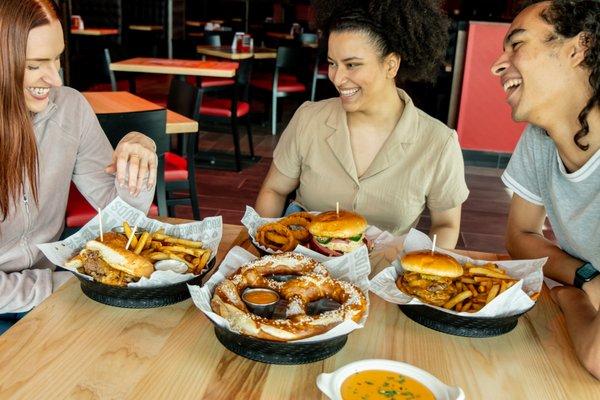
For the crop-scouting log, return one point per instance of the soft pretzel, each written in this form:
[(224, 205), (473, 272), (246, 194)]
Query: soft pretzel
[(312, 283)]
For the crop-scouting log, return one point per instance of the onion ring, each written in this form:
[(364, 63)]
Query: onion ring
[(276, 237)]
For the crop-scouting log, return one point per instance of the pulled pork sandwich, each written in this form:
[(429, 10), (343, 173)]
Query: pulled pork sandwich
[(108, 262), (429, 276), (334, 234)]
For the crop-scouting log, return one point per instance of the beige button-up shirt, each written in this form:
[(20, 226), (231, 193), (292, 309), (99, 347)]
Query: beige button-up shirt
[(419, 165)]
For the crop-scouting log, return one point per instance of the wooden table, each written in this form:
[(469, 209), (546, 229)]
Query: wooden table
[(228, 52), (95, 31), (218, 69), (146, 28), (72, 347), (198, 24), (280, 35), (114, 102)]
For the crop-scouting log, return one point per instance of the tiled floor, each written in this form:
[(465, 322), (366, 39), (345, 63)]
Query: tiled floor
[(226, 193)]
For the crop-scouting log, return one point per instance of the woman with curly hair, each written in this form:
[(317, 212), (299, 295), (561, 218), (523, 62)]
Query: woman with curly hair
[(371, 149), (550, 71), (49, 136)]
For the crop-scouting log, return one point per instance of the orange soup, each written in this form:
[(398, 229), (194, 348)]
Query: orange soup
[(383, 385), (260, 297)]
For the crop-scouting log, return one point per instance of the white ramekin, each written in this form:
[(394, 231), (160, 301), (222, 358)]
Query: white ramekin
[(331, 383)]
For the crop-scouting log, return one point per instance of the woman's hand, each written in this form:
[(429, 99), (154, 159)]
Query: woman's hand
[(135, 156)]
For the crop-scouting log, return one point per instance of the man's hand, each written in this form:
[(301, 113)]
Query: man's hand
[(135, 156)]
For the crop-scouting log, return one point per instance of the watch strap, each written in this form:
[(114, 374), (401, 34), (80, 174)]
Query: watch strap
[(582, 275)]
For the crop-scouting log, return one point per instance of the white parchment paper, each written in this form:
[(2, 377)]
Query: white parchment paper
[(352, 267), (514, 300), (209, 231)]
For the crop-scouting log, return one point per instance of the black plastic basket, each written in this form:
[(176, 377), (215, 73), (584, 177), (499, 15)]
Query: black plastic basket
[(271, 352), (152, 297), (457, 325)]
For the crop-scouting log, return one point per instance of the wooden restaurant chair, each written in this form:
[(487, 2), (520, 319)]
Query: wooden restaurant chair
[(108, 81), (173, 170), (212, 84), (184, 99), (320, 72), (282, 84), (233, 110)]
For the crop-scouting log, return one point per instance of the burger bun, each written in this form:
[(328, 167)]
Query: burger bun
[(344, 224), (426, 262)]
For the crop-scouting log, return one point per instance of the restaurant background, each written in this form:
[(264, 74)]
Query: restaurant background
[(474, 106)]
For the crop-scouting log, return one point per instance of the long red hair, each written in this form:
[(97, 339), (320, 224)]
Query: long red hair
[(18, 148)]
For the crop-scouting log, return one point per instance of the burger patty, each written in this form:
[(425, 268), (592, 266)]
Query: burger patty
[(435, 290), (97, 268)]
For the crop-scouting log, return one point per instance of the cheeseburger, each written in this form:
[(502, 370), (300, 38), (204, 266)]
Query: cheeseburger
[(108, 262), (429, 276), (334, 234)]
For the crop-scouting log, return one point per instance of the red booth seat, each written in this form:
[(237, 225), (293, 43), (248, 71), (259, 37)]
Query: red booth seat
[(222, 108)]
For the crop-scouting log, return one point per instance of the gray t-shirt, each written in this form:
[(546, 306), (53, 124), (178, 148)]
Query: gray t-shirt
[(572, 200)]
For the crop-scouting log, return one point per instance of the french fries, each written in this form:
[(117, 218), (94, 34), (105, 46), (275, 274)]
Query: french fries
[(157, 246), (129, 234), (478, 286), (457, 299)]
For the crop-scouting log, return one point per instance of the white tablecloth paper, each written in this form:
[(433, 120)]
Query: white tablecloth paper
[(252, 221), (209, 231), (353, 267), (514, 300)]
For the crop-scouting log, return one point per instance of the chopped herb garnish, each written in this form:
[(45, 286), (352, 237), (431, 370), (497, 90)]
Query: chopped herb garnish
[(388, 393), (368, 382)]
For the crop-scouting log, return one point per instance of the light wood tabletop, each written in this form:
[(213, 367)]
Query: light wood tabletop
[(72, 347), (229, 53), (116, 102), (146, 28), (220, 69), (95, 31)]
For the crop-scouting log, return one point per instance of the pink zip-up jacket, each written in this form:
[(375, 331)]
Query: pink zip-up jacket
[(71, 147)]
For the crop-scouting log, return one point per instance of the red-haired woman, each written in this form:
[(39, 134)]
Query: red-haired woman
[(49, 136)]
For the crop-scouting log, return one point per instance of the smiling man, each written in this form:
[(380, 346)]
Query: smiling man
[(550, 71)]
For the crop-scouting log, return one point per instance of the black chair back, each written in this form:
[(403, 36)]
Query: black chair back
[(288, 58), (110, 73), (243, 79), (150, 123), (185, 99), (212, 40)]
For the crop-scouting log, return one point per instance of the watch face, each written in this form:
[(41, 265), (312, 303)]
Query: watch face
[(587, 271)]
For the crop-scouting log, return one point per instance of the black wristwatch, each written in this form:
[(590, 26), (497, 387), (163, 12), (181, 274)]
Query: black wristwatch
[(584, 274)]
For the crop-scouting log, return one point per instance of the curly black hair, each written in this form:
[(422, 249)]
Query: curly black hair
[(416, 30), (570, 18)]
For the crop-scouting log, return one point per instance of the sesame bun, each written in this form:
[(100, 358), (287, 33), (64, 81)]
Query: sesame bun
[(343, 225), (424, 262)]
